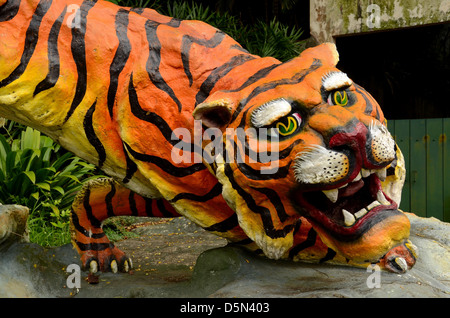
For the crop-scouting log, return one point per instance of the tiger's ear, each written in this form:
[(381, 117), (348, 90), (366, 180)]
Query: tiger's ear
[(216, 113), (325, 52)]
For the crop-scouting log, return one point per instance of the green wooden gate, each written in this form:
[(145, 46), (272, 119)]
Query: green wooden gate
[(426, 148)]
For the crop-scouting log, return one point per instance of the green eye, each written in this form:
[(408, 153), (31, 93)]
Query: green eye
[(289, 125), (339, 98)]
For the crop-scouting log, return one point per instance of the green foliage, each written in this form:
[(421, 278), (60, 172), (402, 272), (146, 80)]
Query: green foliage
[(274, 39), (116, 228), (34, 172)]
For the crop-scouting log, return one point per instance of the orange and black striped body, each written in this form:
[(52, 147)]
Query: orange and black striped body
[(115, 86)]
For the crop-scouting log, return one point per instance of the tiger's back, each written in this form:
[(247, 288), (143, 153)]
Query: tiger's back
[(111, 84)]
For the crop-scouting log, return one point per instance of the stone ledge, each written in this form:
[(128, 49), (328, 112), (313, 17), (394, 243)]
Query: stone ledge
[(198, 264)]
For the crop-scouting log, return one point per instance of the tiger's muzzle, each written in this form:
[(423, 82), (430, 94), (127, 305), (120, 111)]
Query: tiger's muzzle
[(340, 185)]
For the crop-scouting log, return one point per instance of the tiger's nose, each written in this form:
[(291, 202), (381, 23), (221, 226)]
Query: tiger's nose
[(372, 147)]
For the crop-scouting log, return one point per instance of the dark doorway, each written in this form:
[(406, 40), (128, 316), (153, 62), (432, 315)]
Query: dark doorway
[(407, 71)]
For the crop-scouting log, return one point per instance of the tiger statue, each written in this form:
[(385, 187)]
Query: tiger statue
[(114, 85)]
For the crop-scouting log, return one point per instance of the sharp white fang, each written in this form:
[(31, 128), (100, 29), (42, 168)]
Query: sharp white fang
[(332, 194), (372, 205), (381, 173), (365, 173), (382, 199), (361, 213), (358, 177), (349, 219)]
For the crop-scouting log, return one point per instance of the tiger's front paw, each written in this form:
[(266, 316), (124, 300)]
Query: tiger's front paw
[(401, 258), (108, 259)]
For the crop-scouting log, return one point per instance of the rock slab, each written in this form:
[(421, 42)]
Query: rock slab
[(174, 258)]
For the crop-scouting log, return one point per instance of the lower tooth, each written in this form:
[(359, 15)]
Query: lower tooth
[(372, 205), (349, 219), (361, 213)]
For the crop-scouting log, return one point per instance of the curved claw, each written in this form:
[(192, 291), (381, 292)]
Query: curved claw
[(414, 250), (106, 260), (400, 264), (114, 266), (127, 266), (93, 267)]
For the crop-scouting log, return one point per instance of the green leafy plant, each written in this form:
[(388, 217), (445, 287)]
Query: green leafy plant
[(137, 3), (36, 173), (273, 39)]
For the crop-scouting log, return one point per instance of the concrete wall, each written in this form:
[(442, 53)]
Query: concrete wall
[(330, 18)]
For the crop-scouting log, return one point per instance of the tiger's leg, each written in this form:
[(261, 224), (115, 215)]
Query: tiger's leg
[(98, 200)]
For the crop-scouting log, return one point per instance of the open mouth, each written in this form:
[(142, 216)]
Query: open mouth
[(350, 209)]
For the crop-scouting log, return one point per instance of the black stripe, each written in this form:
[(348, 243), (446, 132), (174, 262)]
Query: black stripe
[(148, 116), (330, 255), (282, 154), (225, 225), (120, 58), (162, 208), (369, 105), (9, 10), (214, 192), (137, 10), (254, 78), (154, 60), (297, 78), (131, 167), (174, 23), (92, 137), (161, 124), (272, 174), (186, 44), (221, 71), (262, 211), (31, 39), (78, 48), (148, 206), (82, 230), (310, 241), (254, 174), (239, 48), (53, 57), (273, 197), (165, 165), (132, 202), (108, 200), (87, 207), (297, 226)]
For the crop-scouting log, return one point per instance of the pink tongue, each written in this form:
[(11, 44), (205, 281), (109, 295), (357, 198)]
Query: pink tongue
[(351, 189)]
